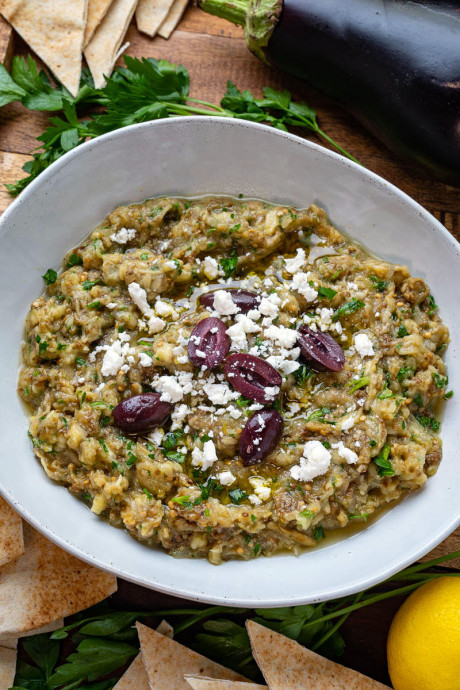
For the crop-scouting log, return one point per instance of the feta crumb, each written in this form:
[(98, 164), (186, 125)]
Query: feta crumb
[(178, 415), (345, 453), (226, 478), (223, 303), (348, 423), (255, 500), (111, 305), (262, 491), (314, 462), (272, 392), (139, 297), (204, 458), (173, 388), (282, 336), (220, 393), (295, 264), (300, 283), (211, 268), (145, 360), (157, 436), (123, 235), (163, 308), (156, 324), (363, 345), (269, 306)]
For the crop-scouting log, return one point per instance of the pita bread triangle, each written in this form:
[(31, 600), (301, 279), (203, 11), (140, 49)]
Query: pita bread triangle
[(45, 584), (135, 677), (54, 30), (173, 18), (150, 15), (285, 665), (11, 537), (7, 666), (167, 662), (97, 9), (212, 684)]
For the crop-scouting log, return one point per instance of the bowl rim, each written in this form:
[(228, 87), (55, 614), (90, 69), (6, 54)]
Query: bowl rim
[(438, 535)]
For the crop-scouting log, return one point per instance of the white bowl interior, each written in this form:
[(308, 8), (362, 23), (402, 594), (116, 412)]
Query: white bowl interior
[(193, 156)]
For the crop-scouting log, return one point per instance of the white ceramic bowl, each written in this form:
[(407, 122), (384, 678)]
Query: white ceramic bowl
[(192, 156)]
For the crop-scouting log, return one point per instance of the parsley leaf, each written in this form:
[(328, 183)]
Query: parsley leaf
[(348, 308), (50, 276), (228, 264), (384, 466)]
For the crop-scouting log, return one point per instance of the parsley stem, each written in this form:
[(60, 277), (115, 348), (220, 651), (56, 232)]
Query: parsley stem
[(180, 109), (200, 615), (337, 146), (207, 103)]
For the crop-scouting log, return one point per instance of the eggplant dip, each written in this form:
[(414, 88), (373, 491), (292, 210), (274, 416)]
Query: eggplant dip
[(227, 378)]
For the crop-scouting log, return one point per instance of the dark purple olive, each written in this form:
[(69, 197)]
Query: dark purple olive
[(141, 413), (253, 377), (209, 343), (245, 300), (320, 349), (260, 436)]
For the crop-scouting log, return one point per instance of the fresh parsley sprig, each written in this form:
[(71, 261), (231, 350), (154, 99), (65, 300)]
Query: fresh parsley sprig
[(143, 90), (100, 642)]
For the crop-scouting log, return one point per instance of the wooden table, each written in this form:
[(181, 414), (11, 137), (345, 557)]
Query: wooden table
[(213, 51)]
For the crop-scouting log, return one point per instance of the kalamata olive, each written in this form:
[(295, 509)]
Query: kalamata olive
[(260, 436), (245, 300), (141, 413), (253, 377), (320, 349), (208, 343)]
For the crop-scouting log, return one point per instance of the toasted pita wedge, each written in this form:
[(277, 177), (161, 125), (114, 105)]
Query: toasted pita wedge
[(286, 664), (150, 15), (173, 18), (11, 538), (135, 678), (167, 662), (198, 683), (97, 9), (54, 30), (45, 584), (105, 47), (7, 666), (11, 640)]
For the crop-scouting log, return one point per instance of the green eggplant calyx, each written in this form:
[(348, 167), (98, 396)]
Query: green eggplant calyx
[(257, 17)]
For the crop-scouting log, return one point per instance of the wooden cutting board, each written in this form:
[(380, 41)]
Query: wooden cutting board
[(213, 51)]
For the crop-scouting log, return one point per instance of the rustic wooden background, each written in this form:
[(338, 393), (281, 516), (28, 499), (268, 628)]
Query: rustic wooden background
[(213, 51)]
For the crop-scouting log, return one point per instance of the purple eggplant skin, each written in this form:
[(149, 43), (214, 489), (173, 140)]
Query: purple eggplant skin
[(394, 64)]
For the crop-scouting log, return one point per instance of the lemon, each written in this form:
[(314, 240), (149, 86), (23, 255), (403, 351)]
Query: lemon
[(423, 647)]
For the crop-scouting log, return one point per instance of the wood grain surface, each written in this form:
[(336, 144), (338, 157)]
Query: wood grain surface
[(213, 51)]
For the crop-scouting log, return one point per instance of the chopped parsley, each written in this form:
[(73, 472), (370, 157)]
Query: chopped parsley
[(348, 308), (175, 456), (50, 276), (88, 284), (61, 346), (307, 513), (131, 459), (237, 495), (359, 383), (104, 445), (428, 422), (319, 533), (95, 305), (171, 439), (229, 264), (362, 516), (418, 400), (404, 373), (74, 260), (326, 292), (42, 347), (80, 361), (384, 466), (402, 331), (302, 374), (440, 381), (432, 304), (378, 283), (243, 402), (147, 493)]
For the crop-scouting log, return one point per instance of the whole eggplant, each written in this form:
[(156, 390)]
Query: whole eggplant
[(395, 64)]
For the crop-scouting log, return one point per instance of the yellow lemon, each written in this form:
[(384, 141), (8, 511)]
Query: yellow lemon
[(423, 647)]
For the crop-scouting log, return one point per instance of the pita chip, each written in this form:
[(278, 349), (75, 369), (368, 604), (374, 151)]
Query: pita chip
[(105, 47), (198, 683), (135, 677), (286, 664), (173, 18), (11, 537), (167, 662), (97, 9), (166, 629), (45, 584), (7, 666), (150, 15), (54, 30), (11, 640)]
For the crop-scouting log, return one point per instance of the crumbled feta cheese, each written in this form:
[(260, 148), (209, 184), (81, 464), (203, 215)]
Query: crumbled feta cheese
[(139, 297), (348, 423), (211, 268), (226, 478), (255, 500), (295, 264), (173, 388), (111, 305), (157, 436), (285, 366), (363, 345), (345, 453), (165, 309), (123, 235), (156, 324), (314, 462), (271, 392), (301, 283), (220, 393), (260, 487), (325, 317), (234, 412), (115, 355), (269, 306), (145, 360), (204, 458), (178, 415), (223, 303), (282, 336)]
